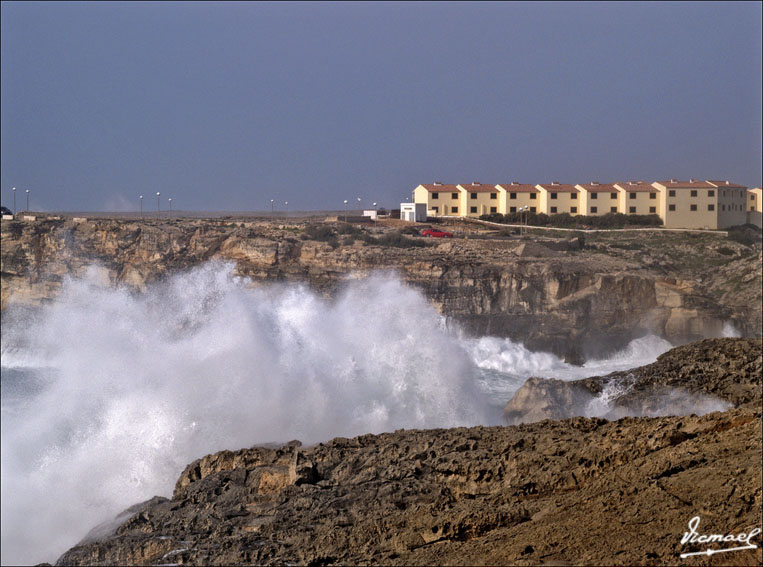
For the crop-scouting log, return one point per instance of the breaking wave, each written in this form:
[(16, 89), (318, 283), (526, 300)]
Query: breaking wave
[(107, 394)]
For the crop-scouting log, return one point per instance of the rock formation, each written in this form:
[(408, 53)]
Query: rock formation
[(576, 491), (549, 293), (707, 375)]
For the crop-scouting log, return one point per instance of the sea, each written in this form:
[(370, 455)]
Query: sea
[(107, 394)]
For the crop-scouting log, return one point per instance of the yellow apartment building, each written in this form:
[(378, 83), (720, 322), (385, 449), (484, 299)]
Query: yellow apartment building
[(598, 199), (557, 198), (481, 199), (514, 196), (701, 204), (694, 203), (639, 198), (732, 203), (441, 199), (755, 206)]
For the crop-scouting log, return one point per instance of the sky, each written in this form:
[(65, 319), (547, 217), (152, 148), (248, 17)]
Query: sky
[(225, 106)]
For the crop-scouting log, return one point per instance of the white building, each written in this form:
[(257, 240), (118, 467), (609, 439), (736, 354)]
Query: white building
[(413, 212)]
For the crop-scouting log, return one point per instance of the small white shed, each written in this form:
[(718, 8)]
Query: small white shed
[(413, 212)]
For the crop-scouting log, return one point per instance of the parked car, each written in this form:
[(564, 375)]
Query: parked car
[(437, 233), (5, 211)]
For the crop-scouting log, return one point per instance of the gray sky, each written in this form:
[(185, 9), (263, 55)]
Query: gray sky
[(223, 106)]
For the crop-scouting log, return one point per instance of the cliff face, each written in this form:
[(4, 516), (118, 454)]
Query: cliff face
[(574, 302), (579, 491)]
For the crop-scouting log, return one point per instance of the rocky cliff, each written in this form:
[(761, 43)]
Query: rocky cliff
[(583, 491), (550, 294)]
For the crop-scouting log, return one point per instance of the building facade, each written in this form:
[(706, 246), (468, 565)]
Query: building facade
[(598, 199), (694, 203), (755, 206)]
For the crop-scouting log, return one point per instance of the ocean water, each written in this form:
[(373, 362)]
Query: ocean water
[(107, 395)]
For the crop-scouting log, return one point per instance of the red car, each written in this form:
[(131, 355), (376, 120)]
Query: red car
[(437, 233)]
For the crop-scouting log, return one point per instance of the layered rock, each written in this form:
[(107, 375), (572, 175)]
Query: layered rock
[(572, 301), (709, 375)]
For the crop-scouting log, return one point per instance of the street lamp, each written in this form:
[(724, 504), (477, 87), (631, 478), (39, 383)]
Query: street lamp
[(345, 210), (360, 210), (27, 200), (141, 206), (286, 203), (158, 207), (376, 214), (14, 200), (272, 207), (170, 201)]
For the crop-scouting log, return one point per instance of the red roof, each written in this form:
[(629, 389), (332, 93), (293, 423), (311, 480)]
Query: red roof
[(637, 186), (727, 184), (515, 187), (434, 188), (691, 184), (478, 188), (599, 187), (559, 188)]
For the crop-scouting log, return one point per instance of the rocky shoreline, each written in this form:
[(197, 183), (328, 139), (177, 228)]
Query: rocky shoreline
[(578, 298), (555, 492)]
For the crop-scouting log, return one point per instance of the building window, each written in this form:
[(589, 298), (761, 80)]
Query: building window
[(711, 192), (553, 210), (493, 209), (532, 209), (493, 195), (454, 210), (652, 209), (532, 196), (512, 195), (594, 195), (512, 209), (652, 195), (723, 207), (435, 195), (711, 207), (594, 209), (671, 207), (553, 195), (633, 196), (612, 209), (693, 193), (573, 209), (573, 195), (752, 208), (693, 208), (613, 195), (752, 197), (473, 209), (454, 195), (436, 210), (474, 195), (672, 193), (632, 210)]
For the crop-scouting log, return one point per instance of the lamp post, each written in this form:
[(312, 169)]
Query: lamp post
[(14, 200), (376, 214), (141, 206), (272, 207), (27, 200), (286, 204), (360, 210), (345, 210), (170, 201), (158, 206)]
